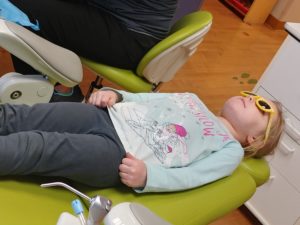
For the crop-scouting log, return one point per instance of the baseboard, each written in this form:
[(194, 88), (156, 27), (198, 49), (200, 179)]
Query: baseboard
[(274, 23)]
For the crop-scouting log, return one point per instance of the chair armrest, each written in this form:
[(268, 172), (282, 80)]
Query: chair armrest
[(258, 168)]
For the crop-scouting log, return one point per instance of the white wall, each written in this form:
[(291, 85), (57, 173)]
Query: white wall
[(287, 10)]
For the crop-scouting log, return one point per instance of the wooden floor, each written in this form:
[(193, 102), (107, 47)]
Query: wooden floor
[(231, 58)]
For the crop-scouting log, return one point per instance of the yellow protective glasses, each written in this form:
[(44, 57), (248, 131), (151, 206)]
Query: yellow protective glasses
[(263, 105)]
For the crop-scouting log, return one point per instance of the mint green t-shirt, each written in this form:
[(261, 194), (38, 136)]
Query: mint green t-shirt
[(183, 144)]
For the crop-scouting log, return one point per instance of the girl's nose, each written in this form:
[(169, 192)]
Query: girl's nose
[(250, 98)]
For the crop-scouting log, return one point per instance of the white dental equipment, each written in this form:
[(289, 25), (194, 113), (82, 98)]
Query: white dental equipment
[(56, 65)]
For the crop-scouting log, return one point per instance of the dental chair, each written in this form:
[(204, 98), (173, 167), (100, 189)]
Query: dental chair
[(160, 63), (59, 65), (24, 202)]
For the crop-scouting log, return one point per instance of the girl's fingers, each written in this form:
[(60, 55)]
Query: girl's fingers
[(124, 168)]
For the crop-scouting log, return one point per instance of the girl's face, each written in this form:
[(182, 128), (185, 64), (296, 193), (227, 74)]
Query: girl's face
[(244, 116)]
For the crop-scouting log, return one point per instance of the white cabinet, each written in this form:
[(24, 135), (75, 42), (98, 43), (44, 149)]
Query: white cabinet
[(278, 201)]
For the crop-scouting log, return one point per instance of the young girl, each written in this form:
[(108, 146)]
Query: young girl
[(148, 141)]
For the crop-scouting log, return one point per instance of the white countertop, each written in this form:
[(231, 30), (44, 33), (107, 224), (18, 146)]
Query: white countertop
[(293, 29)]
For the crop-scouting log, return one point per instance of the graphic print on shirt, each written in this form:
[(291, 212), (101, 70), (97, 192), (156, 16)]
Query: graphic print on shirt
[(166, 140), (207, 124)]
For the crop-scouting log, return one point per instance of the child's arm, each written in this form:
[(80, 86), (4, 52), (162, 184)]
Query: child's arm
[(206, 170), (124, 96), (104, 98)]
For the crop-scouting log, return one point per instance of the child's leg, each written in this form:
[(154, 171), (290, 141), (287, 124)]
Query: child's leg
[(60, 117), (44, 140), (89, 159)]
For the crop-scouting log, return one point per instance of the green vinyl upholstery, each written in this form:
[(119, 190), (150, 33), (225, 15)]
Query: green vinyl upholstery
[(162, 61), (24, 202)]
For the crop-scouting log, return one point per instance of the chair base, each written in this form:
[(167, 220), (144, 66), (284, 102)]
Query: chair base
[(16, 88), (98, 84)]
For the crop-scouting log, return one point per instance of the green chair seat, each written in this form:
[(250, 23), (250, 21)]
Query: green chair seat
[(24, 202), (124, 78)]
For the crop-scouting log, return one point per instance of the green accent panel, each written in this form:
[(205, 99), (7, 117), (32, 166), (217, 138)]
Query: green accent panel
[(25, 202), (122, 77), (182, 29), (258, 169)]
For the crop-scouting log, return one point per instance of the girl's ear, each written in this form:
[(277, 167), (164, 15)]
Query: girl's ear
[(250, 139)]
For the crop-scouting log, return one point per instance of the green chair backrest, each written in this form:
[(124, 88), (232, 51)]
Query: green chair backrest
[(182, 29)]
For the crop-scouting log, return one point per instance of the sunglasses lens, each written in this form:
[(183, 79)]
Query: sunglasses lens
[(264, 104)]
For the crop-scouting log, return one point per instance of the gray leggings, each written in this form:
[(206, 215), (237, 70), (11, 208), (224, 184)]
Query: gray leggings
[(71, 140)]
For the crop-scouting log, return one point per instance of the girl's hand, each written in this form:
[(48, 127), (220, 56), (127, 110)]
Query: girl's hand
[(103, 99), (133, 172)]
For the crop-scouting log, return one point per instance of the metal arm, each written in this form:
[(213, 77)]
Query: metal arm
[(99, 206)]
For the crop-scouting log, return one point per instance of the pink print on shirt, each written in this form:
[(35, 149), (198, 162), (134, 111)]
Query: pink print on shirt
[(208, 124), (166, 140)]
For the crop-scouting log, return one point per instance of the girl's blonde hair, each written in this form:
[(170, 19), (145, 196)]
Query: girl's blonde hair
[(259, 148)]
